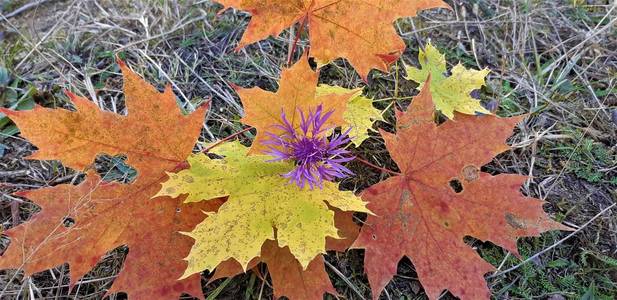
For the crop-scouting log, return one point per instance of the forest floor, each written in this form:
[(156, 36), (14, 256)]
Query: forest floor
[(554, 59)]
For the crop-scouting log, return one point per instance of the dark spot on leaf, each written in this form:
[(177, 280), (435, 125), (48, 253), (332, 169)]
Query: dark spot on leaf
[(456, 185), (513, 221), (68, 222)]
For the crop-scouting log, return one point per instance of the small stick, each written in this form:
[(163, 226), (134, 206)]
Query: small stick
[(228, 138), (15, 213), (377, 167), (295, 42), (15, 173), (24, 8), (342, 276)]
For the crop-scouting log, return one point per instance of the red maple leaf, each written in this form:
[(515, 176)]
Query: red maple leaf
[(156, 137), (420, 215)]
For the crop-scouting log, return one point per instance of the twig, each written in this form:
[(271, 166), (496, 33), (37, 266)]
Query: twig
[(227, 138), (11, 199), (66, 178), (18, 185), (342, 276), (15, 173), (263, 284), (15, 213), (376, 166), (162, 34), (295, 42), (219, 289), (24, 8)]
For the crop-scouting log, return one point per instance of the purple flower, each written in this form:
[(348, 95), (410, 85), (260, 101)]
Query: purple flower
[(316, 158)]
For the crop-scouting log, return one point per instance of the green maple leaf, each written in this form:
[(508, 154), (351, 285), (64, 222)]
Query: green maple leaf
[(449, 93)]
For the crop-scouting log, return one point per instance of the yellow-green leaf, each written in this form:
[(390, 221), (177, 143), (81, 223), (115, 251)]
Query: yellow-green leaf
[(449, 93), (360, 113), (259, 200)]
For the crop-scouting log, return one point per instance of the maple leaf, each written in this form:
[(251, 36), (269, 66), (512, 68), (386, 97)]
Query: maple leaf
[(288, 277), (419, 215), (259, 200), (360, 114), (449, 93), (297, 92), (156, 137), (358, 30)]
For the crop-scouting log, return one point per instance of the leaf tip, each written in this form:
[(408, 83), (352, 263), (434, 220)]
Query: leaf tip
[(71, 95), (186, 233), (180, 167), (389, 58), (515, 120), (235, 87), (120, 62), (205, 105), (239, 47), (445, 5), (8, 112), (187, 273), (22, 193), (207, 213)]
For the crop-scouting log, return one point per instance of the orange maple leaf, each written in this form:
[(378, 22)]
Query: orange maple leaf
[(419, 214), (288, 277), (297, 91), (156, 137), (359, 30)]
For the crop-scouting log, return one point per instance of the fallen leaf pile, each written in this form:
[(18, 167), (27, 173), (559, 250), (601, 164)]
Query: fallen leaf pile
[(228, 210), (156, 137)]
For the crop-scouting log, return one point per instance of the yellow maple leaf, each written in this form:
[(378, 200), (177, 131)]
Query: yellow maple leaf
[(449, 93), (261, 206), (360, 113)]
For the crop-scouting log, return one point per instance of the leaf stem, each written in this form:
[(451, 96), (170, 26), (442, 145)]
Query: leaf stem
[(361, 160), (296, 38), (227, 139), (366, 162)]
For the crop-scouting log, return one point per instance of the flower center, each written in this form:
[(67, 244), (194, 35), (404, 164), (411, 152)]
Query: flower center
[(309, 151), (315, 157)]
